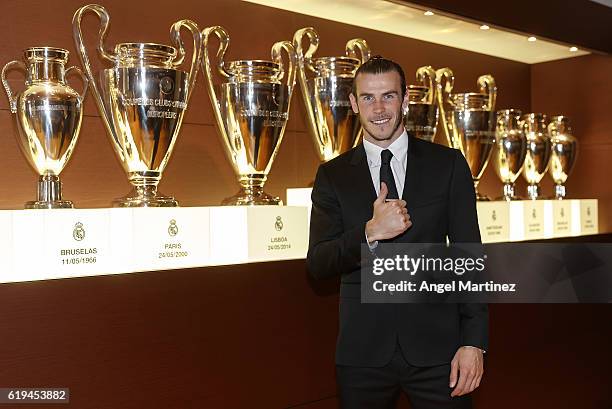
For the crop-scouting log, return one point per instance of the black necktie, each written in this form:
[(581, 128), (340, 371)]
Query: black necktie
[(386, 175)]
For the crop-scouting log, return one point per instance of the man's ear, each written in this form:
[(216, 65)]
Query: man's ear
[(405, 101), (354, 103)]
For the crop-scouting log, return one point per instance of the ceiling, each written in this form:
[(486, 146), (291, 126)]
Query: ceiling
[(582, 23), (411, 21)]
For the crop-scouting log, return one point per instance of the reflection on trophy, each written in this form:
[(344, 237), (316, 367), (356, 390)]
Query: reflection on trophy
[(142, 100), (564, 152), (251, 108), (511, 149), (538, 153), (468, 120), (334, 126), (421, 114), (48, 114)]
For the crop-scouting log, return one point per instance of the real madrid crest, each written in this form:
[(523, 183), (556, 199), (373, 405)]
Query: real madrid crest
[(173, 228), (278, 225), (78, 233)]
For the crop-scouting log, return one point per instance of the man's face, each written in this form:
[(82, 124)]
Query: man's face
[(379, 105)]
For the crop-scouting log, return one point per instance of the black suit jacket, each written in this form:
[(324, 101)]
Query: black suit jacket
[(441, 202)]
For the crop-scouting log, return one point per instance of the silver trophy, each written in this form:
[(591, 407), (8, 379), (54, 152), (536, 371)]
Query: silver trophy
[(468, 120), (142, 100), (510, 151), (421, 112), (538, 153), (326, 84), (564, 152), (251, 106), (48, 115)]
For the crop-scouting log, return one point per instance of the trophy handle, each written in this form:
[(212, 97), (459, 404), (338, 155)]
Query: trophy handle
[(426, 75), (550, 128), (104, 23), (223, 44), (445, 80), (487, 86), (305, 58), (358, 46), (289, 72), (305, 65), (9, 93), (83, 77), (175, 35), (208, 75), (84, 57)]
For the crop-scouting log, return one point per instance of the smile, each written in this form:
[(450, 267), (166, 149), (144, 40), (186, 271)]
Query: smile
[(381, 121)]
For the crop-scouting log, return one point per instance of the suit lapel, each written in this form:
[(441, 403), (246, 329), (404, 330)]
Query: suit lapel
[(361, 178), (411, 182)]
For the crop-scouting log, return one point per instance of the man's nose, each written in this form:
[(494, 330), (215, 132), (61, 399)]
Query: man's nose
[(379, 106)]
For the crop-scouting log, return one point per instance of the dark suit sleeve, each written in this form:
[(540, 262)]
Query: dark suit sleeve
[(463, 228), (332, 250)]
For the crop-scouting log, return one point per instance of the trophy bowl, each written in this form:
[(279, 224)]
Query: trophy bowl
[(510, 150), (326, 84), (48, 114), (538, 153), (251, 107), (421, 112), (142, 100), (564, 152), (468, 120)]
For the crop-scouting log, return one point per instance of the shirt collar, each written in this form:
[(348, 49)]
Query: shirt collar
[(399, 148)]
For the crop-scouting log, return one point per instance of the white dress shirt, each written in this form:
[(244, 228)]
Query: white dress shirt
[(399, 148)]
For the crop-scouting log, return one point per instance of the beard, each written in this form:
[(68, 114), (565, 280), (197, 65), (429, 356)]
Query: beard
[(374, 131)]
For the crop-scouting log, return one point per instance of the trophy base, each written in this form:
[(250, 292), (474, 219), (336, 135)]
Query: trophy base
[(509, 193), (248, 197), (49, 194), (51, 204), (560, 192), (145, 198), (479, 197), (508, 198), (533, 193)]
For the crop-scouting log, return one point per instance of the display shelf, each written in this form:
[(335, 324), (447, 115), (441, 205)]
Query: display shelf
[(502, 221), (62, 243), (521, 220)]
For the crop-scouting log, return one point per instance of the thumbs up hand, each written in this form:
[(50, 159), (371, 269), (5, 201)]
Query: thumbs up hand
[(389, 219)]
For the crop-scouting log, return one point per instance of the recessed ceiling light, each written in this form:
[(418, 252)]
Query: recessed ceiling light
[(429, 13), (573, 49), (484, 27), (532, 39)]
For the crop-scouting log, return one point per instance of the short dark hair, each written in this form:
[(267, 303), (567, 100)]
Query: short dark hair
[(380, 65)]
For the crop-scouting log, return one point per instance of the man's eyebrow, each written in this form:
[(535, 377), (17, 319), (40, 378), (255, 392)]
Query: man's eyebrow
[(367, 94)]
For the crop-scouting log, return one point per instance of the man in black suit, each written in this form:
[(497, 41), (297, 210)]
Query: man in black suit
[(434, 352)]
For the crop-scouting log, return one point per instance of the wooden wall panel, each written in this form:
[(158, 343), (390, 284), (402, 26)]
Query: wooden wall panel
[(251, 336), (261, 335), (581, 89)]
